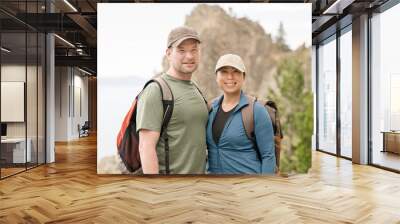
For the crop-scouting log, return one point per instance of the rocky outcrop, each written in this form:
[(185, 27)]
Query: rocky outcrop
[(223, 33)]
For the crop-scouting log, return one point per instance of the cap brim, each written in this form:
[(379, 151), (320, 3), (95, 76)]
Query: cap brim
[(178, 42), (226, 65)]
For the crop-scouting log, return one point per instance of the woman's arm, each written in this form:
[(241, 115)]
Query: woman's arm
[(264, 134)]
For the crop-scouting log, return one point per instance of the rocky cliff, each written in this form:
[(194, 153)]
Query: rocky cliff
[(221, 33)]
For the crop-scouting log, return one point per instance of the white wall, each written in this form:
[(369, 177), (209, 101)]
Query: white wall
[(17, 73), (80, 103), (61, 103), (71, 93), (33, 126)]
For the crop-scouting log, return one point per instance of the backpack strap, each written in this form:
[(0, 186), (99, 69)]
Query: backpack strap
[(248, 118), (198, 89), (168, 105), (167, 100), (248, 122)]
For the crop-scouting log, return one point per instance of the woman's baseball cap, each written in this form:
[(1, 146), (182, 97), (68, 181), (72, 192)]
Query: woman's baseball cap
[(232, 60)]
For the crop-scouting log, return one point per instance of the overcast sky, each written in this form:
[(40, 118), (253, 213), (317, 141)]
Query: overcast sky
[(296, 19), (138, 32)]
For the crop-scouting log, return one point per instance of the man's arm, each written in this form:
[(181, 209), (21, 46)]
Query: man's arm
[(148, 125), (147, 149)]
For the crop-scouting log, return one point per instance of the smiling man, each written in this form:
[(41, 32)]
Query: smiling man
[(186, 129)]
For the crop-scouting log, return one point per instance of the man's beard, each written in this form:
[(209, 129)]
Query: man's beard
[(187, 70)]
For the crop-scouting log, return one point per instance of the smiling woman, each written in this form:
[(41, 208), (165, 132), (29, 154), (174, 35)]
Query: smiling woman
[(230, 74), (230, 80), (230, 149)]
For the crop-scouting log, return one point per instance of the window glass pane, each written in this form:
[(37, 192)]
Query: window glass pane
[(14, 152), (22, 88), (31, 97), (327, 96), (346, 94), (41, 98), (386, 89)]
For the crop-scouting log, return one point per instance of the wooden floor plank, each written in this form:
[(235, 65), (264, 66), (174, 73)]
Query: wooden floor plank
[(70, 191)]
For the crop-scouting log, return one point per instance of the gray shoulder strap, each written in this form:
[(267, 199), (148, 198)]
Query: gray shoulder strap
[(201, 93), (248, 117), (168, 104), (165, 90)]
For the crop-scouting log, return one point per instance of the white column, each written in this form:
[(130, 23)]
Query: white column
[(360, 90), (50, 94)]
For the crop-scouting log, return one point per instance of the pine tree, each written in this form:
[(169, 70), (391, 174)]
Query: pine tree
[(295, 103), (280, 39)]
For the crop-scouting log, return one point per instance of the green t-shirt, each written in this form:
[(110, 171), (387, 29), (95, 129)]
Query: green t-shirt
[(186, 130)]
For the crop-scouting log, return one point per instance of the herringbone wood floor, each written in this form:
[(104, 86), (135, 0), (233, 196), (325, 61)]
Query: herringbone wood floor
[(70, 191)]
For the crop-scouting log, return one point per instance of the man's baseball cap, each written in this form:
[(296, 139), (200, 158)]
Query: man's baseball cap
[(179, 34), (232, 60)]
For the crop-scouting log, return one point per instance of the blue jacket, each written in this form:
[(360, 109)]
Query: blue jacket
[(235, 152)]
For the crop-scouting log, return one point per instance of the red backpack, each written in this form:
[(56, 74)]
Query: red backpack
[(128, 138)]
